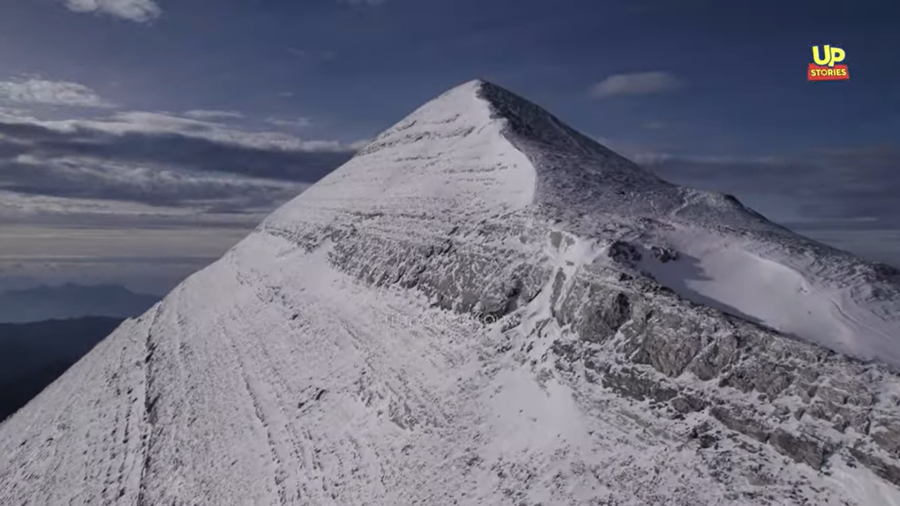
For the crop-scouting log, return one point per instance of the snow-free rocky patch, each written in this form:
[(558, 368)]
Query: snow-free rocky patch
[(487, 307)]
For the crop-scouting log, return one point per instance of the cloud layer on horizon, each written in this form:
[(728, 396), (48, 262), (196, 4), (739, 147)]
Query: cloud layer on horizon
[(204, 114), (853, 186), (844, 197)]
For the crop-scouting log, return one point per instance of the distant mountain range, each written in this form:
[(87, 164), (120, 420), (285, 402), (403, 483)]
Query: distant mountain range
[(33, 355), (71, 301), (46, 329)]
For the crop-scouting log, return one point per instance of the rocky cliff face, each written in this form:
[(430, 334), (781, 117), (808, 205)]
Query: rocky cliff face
[(474, 311)]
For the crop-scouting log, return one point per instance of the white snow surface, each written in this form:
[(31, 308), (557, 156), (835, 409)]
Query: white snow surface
[(787, 292), (448, 158), (272, 377)]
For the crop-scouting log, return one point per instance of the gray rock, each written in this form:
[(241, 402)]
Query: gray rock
[(762, 376), (681, 405), (738, 421), (668, 354), (832, 395), (623, 252), (664, 254), (602, 320), (687, 403), (882, 468), (886, 433), (632, 383), (802, 449), (720, 354), (558, 281)]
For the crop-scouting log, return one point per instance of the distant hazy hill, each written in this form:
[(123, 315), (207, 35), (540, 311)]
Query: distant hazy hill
[(33, 355), (71, 301)]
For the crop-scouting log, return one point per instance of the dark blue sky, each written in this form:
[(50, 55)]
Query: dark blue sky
[(729, 107), (358, 68)]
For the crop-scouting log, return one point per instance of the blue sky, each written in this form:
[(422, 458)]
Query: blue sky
[(707, 93), (359, 67)]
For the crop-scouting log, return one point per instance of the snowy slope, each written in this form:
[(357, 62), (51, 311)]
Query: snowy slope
[(471, 311), (825, 299)]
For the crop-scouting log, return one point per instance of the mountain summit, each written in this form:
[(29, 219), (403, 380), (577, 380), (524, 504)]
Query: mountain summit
[(486, 307)]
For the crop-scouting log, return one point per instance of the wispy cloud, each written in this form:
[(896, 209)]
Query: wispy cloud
[(42, 91), (140, 11), (640, 83), (289, 123), (358, 145), (213, 115), (163, 125), (160, 159)]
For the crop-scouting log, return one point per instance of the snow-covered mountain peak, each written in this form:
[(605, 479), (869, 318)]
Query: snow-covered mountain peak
[(486, 307), (448, 159), (470, 152)]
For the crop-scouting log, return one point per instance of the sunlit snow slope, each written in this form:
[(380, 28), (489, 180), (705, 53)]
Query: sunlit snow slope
[(486, 307)]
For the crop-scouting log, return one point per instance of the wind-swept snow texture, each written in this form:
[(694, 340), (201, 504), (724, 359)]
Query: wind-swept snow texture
[(486, 307)]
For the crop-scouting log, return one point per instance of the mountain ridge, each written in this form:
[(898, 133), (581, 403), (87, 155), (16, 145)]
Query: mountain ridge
[(424, 325)]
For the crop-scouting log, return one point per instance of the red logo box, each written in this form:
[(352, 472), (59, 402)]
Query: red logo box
[(823, 73)]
